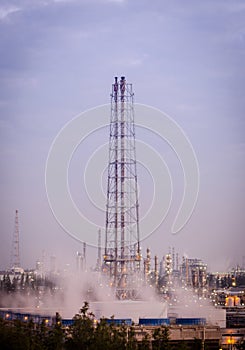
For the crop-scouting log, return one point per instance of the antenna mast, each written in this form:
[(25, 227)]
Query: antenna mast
[(15, 258)]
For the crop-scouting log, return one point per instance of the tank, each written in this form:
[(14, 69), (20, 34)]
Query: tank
[(154, 321)]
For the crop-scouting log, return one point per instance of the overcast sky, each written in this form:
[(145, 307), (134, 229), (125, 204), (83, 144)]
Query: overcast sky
[(186, 58)]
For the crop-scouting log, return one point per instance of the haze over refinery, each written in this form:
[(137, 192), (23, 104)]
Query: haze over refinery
[(59, 59)]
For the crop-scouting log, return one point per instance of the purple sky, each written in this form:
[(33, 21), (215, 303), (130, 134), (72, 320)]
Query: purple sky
[(59, 57)]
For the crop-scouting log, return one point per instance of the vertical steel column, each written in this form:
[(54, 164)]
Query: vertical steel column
[(122, 90)]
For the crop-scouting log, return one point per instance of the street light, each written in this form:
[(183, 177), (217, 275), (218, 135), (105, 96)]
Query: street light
[(231, 341)]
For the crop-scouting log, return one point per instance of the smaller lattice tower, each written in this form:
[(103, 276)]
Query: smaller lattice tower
[(15, 255)]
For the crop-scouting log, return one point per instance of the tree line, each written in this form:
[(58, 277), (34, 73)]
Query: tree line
[(27, 286), (24, 282), (84, 334)]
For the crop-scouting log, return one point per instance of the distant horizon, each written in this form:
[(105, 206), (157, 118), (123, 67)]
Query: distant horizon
[(91, 261)]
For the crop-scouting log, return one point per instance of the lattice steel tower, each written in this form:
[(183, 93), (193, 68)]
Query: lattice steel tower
[(122, 241), (15, 256)]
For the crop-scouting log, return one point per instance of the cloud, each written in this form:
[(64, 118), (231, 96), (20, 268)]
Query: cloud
[(6, 11)]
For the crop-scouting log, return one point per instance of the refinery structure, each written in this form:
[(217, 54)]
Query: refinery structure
[(185, 292), (122, 237)]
